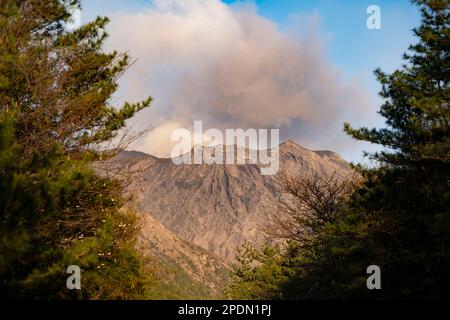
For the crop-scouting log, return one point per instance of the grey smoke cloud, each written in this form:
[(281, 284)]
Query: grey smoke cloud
[(232, 68)]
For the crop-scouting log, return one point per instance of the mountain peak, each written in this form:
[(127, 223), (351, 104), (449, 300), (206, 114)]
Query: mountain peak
[(290, 144), (216, 207)]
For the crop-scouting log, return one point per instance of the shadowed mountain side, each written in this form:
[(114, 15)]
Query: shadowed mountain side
[(183, 270)]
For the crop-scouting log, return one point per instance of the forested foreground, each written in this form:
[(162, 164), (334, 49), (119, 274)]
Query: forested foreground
[(55, 90), (397, 216), (56, 112)]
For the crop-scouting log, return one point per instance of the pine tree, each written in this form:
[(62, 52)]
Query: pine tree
[(407, 198), (399, 217), (55, 108)]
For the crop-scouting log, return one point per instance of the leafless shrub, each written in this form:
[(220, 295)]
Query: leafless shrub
[(311, 201)]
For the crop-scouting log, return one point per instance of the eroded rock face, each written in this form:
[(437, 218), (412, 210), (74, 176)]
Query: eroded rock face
[(216, 207)]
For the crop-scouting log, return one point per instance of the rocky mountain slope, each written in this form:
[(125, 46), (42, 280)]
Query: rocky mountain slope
[(182, 270), (215, 207)]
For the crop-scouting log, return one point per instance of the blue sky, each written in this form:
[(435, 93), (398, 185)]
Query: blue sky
[(351, 47), (354, 48)]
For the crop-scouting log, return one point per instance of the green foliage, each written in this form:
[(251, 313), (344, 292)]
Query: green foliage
[(408, 197), (55, 88), (399, 217), (170, 282), (258, 274)]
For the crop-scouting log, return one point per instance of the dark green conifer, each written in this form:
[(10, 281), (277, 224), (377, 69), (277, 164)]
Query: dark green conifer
[(55, 107)]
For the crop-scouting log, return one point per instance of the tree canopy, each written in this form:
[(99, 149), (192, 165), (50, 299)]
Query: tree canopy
[(399, 217), (55, 109)]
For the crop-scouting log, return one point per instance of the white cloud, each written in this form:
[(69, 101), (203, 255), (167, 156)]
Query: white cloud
[(232, 68), (158, 142)]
